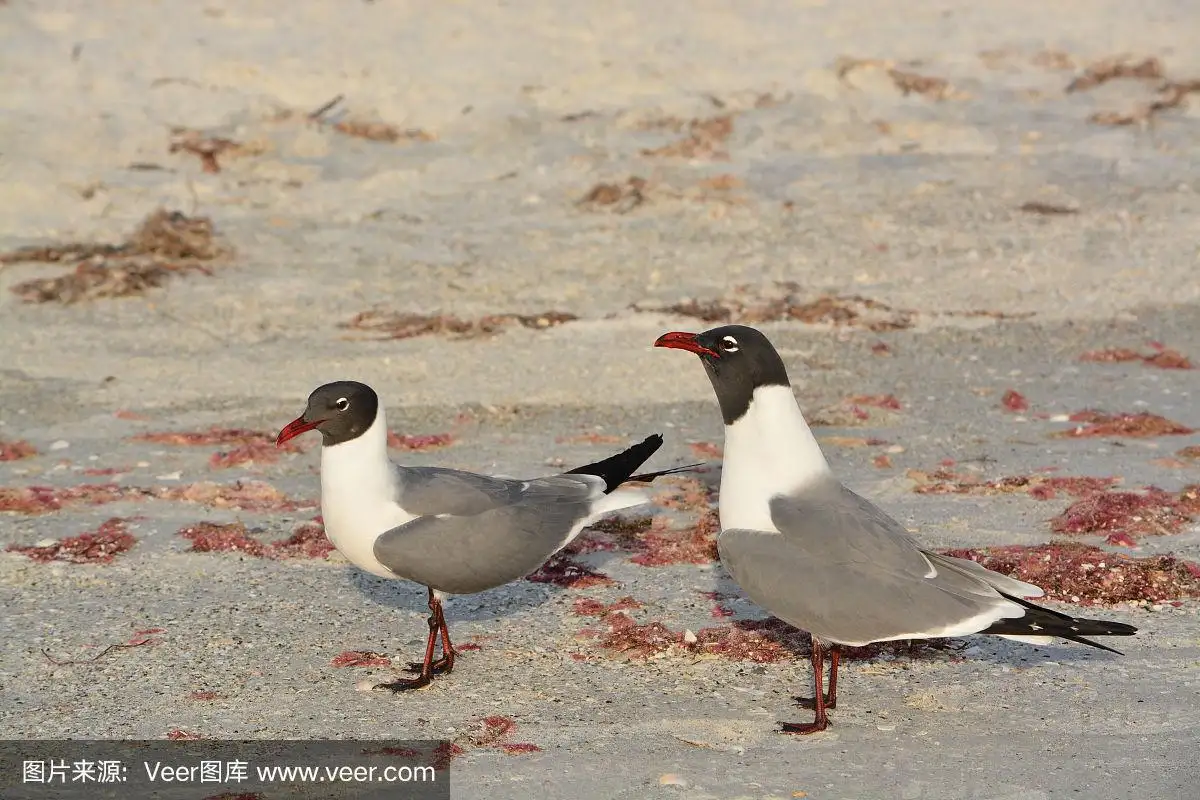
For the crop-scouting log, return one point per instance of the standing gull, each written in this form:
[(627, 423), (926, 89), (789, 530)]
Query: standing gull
[(451, 531), (825, 560)]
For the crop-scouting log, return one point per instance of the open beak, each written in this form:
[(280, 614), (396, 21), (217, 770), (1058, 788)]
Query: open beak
[(294, 428), (678, 340)]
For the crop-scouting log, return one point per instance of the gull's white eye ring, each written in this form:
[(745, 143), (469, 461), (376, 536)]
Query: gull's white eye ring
[(729, 344), (342, 404)]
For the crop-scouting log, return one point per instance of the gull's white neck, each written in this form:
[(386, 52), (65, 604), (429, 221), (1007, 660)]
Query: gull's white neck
[(358, 495), (769, 451)]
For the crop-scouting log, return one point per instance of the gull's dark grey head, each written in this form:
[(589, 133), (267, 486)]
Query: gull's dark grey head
[(341, 411), (737, 359)]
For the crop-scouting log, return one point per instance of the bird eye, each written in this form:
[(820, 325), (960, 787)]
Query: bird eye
[(729, 344), (342, 404)]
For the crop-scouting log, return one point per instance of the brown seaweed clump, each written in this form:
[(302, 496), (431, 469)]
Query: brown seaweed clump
[(166, 244)]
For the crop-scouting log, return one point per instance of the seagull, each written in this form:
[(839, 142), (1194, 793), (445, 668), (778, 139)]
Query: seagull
[(824, 559), (451, 531)]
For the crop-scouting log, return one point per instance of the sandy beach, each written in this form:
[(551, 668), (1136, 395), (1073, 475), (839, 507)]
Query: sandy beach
[(970, 227)]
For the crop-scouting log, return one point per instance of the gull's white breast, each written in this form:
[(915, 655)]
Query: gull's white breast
[(768, 452), (358, 491)]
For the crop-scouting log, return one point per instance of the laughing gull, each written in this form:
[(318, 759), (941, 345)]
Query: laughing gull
[(453, 532), (825, 560)]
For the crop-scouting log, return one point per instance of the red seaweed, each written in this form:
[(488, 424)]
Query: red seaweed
[(360, 658), (1048, 488), (249, 446), (211, 537), (1014, 401), (1152, 512), (589, 607), (214, 435), (887, 401), (1162, 357), (685, 494), (1140, 425), (1040, 487), (653, 543), (11, 450), (307, 541), (444, 753), (591, 437), (101, 547), (758, 640), (245, 495), (562, 571), (1087, 575), (719, 609), (44, 499), (659, 547), (251, 453), (762, 641), (705, 449), (625, 636), (419, 442), (492, 731), (608, 534)]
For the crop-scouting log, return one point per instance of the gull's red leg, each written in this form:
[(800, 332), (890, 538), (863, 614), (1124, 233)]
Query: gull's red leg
[(446, 662), (426, 667), (835, 655), (820, 721), (438, 618)]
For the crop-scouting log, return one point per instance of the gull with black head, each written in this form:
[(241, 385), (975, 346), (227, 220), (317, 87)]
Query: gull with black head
[(826, 560), (453, 532)]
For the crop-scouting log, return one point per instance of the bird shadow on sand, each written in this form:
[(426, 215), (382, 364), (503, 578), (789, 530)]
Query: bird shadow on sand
[(486, 606), (1017, 655)]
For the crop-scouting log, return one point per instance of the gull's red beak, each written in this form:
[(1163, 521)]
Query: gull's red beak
[(294, 428), (677, 340)]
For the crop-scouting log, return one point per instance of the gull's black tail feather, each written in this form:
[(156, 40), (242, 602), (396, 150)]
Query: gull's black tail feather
[(617, 469), (1041, 621), (646, 477)]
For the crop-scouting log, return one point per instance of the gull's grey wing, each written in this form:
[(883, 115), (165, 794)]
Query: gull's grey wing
[(880, 540), (837, 526), (437, 491), (845, 571), (1002, 583), (498, 531)]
